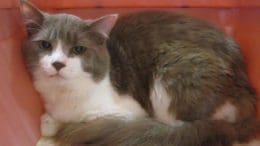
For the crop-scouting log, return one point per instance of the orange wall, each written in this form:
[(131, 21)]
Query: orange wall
[(20, 105), (145, 3)]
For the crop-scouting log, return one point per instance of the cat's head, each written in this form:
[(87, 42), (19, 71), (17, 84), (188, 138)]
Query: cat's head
[(65, 47)]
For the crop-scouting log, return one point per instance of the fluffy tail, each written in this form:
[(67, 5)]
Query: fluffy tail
[(146, 132)]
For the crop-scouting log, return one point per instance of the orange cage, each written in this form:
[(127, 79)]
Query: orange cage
[(20, 105)]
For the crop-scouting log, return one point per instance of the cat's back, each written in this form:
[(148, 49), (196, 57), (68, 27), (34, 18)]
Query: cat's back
[(165, 26), (153, 35)]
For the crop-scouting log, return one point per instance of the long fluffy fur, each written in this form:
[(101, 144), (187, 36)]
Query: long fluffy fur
[(113, 131)]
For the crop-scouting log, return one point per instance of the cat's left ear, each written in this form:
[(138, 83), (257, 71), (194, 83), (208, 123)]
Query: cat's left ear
[(104, 24), (33, 17)]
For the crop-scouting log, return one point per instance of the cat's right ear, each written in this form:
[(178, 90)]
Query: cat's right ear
[(104, 24), (32, 16)]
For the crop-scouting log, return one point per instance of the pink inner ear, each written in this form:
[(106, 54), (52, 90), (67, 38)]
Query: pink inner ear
[(105, 24), (26, 11), (30, 12)]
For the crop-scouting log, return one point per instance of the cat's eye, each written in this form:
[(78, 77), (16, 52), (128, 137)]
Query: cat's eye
[(45, 45), (78, 50)]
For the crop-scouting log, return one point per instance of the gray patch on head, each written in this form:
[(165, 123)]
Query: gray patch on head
[(71, 31)]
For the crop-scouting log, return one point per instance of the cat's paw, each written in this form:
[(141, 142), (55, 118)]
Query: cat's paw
[(251, 143), (46, 142), (49, 126)]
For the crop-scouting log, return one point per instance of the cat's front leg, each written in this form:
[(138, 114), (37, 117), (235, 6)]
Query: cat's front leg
[(46, 141), (49, 128)]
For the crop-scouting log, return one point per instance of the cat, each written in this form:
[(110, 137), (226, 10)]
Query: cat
[(144, 78)]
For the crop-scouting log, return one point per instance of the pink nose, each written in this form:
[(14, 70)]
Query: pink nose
[(58, 65)]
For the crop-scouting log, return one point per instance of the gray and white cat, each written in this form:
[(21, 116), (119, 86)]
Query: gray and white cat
[(147, 78)]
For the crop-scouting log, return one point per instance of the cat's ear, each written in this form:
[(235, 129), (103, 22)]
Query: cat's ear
[(104, 24), (32, 16)]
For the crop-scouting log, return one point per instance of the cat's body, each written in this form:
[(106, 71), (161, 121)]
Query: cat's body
[(182, 59), (175, 69)]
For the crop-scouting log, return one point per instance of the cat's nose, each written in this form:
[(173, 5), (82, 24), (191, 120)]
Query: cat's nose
[(58, 65)]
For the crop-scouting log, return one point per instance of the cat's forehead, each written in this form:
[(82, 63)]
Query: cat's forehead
[(62, 26), (63, 19)]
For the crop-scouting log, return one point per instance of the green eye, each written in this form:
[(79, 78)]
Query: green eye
[(78, 50), (45, 45)]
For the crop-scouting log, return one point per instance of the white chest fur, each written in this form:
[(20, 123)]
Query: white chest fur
[(82, 98)]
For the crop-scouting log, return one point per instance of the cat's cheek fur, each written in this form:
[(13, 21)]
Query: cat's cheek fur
[(45, 66), (73, 69)]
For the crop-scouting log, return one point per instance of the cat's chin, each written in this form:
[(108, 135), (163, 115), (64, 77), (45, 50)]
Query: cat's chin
[(60, 77), (51, 76), (54, 76), (57, 76)]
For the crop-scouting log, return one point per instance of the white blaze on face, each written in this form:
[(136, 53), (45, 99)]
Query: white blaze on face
[(57, 54), (72, 69)]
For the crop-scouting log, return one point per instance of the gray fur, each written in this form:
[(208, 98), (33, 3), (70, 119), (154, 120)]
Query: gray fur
[(199, 66), (72, 31), (146, 132)]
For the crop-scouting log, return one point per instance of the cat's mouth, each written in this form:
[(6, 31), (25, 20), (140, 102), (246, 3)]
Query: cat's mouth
[(57, 76)]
